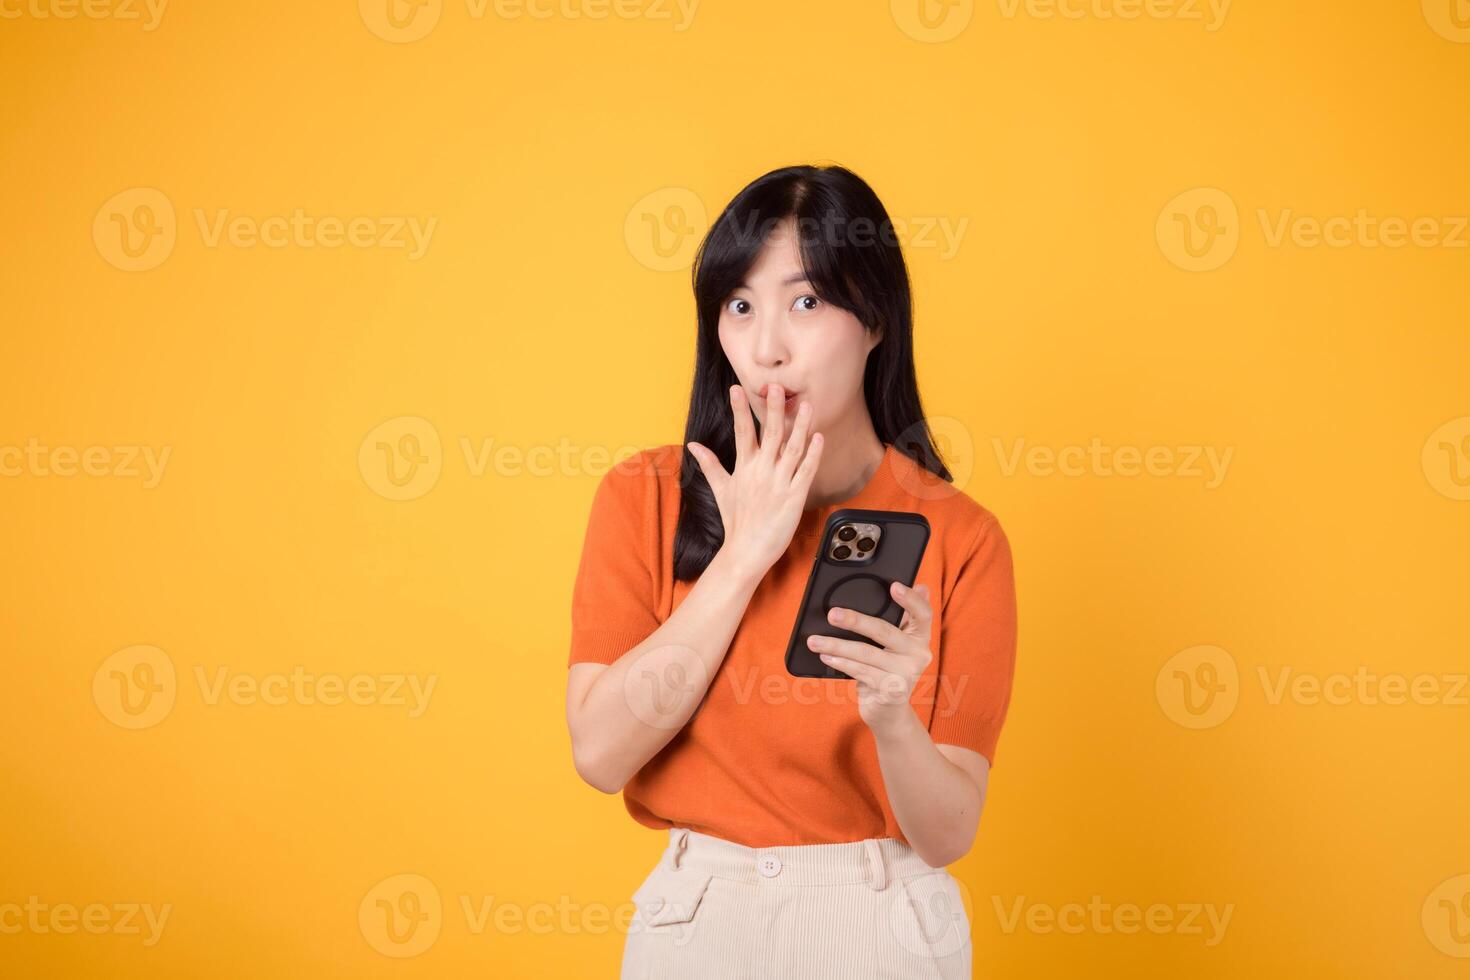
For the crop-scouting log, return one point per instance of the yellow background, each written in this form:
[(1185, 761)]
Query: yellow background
[(538, 317)]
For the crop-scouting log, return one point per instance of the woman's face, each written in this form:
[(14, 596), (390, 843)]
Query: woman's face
[(775, 330)]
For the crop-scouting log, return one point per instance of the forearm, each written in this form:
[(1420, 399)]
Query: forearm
[(640, 701), (937, 804)]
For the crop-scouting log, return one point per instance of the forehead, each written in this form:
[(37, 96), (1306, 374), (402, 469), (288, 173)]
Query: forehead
[(779, 258)]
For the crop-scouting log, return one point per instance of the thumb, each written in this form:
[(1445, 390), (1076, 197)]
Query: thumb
[(709, 465), (908, 619)]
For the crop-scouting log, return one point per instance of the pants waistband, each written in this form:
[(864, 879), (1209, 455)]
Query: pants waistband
[(876, 860)]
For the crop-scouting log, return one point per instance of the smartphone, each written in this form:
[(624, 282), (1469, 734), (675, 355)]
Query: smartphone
[(860, 555)]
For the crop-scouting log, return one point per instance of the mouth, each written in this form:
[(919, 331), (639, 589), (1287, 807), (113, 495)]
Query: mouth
[(793, 398)]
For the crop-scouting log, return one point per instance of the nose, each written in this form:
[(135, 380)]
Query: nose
[(770, 341)]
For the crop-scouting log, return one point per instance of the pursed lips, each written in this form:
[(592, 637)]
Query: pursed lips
[(766, 390)]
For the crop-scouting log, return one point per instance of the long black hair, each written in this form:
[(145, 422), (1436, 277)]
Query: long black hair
[(851, 255)]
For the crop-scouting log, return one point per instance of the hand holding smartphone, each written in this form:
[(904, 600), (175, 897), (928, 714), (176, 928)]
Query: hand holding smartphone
[(860, 555)]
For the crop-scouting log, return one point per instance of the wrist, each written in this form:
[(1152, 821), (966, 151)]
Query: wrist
[(738, 567), (900, 724)]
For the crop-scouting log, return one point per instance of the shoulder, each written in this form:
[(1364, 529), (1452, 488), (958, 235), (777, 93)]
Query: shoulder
[(645, 475), (978, 535), (654, 464), (980, 520), (962, 522)]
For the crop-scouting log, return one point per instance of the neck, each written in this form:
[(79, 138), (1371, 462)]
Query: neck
[(851, 454)]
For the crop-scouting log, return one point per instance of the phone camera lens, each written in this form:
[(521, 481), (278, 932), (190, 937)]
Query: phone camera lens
[(866, 544), (842, 552), (847, 533)]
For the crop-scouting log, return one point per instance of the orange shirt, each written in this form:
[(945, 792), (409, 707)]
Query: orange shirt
[(769, 759)]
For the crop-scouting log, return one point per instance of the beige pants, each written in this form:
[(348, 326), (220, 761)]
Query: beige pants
[(715, 910)]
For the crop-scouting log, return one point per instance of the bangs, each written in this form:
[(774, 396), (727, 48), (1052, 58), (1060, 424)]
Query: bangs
[(838, 254)]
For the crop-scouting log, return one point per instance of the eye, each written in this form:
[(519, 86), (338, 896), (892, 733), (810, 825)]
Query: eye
[(739, 307), (806, 302)]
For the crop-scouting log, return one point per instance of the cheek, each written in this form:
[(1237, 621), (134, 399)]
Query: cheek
[(841, 349), (734, 350)]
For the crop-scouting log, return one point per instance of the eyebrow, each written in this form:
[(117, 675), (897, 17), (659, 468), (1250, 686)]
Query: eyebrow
[(789, 280)]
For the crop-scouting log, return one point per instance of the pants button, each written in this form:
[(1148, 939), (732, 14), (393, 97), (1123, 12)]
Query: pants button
[(769, 866)]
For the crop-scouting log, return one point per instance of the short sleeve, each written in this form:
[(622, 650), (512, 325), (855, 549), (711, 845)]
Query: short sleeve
[(977, 647), (614, 597)]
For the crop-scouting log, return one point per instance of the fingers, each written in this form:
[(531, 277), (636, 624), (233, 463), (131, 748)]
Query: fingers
[(709, 465), (856, 651), (791, 453), (918, 615), (775, 424), (744, 426), (862, 673), (878, 630), (801, 480), (884, 682)]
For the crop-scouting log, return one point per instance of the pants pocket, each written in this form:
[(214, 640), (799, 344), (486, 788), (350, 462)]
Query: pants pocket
[(931, 921), (662, 934)]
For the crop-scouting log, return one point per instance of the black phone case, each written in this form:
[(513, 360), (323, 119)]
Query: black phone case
[(864, 587)]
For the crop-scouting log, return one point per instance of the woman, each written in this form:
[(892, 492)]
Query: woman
[(810, 819)]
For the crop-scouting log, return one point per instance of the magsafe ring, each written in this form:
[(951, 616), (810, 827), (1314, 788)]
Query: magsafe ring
[(864, 593)]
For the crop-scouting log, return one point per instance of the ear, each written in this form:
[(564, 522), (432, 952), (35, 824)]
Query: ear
[(874, 337)]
